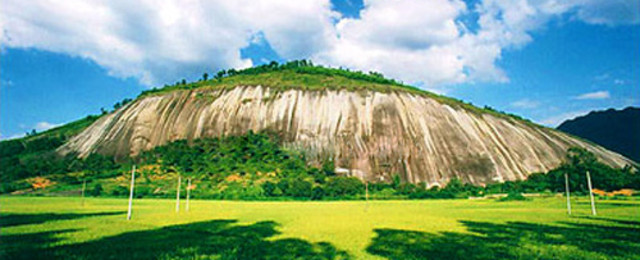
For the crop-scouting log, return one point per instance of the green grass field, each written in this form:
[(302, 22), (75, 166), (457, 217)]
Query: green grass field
[(50, 227)]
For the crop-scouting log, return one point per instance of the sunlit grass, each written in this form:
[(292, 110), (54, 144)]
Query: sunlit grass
[(347, 225)]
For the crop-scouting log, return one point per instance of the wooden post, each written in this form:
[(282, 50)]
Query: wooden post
[(133, 178), (84, 186), (178, 195), (188, 192), (366, 190), (593, 203), (566, 185)]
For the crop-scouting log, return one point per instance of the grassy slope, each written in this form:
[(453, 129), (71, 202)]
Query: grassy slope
[(67, 130), (394, 229)]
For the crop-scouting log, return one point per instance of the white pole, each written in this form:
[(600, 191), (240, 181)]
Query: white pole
[(366, 190), (566, 185), (178, 195), (188, 192), (133, 179), (84, 186), (593, 203)]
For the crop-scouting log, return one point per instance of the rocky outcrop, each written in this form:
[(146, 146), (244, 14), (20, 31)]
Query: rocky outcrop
[(368, 134)]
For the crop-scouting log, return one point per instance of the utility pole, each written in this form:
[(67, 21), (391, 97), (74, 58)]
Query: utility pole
[(593, 203), (133, 178), (566, 185), (188, 192), (178, 195), (84, 186)]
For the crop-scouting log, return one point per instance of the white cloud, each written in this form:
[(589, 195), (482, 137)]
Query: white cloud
[(525, 103), (415, 41), (42, 126), (2, 137), (556, 120), (618, 81), (594, 95), (608, 12), (16, 136), (423, 41), (163, 41)]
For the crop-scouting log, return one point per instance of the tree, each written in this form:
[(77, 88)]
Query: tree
[(344, 186), (395, 181), (96, 191), (220, 74), (299, 189), (205, 76), (269, 188), (328, 167), (580, 157), (317, 193)]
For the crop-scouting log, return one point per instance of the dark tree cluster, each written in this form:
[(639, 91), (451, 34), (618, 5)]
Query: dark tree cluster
[(122, 103), (577, 163)]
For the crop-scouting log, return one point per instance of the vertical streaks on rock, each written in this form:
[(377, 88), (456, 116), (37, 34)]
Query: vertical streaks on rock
[(371, 134)]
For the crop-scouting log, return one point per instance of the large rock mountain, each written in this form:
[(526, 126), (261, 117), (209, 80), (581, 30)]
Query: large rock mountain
[(617, 130), (368, 134)]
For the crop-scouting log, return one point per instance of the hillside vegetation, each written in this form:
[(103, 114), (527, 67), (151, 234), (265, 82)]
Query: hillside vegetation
[(256, 167), (35, 155), (304, 75)]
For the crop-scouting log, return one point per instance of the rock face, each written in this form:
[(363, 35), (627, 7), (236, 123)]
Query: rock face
[(368, 134)]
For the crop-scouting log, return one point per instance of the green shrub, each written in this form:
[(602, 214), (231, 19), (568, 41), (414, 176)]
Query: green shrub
[(299, 189), (269, 188), (385, 193), (119, 191), (342, 186), (96, 191), (317, 193), (513, 196)]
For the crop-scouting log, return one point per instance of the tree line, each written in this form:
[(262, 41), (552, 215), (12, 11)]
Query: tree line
[(297, 66)]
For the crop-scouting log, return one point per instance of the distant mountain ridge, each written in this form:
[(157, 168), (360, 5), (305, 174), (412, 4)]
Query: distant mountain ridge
[(616, 130)]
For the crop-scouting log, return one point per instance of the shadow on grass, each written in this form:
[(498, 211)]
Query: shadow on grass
[(9, 220), (513, 240), (218, 239), (31, 245), (617, 221), (608, 204)]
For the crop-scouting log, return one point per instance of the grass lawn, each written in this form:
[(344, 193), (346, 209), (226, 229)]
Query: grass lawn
[(59, 227)]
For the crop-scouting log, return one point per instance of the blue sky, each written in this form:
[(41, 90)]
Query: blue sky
[(542, 61)]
